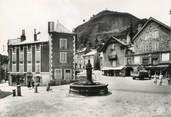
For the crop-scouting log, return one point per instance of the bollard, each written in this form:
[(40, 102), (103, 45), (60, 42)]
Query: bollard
[(36, 88), (48, 87), (18, 90), (13, 92), (169, 81)]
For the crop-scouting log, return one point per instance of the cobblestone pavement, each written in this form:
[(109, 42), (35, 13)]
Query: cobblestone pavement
[(127, 98)]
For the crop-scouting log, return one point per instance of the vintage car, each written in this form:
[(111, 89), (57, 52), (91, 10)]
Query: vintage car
[(141, 74)]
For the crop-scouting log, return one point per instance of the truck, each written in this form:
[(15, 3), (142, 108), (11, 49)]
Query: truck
[(140, 74)]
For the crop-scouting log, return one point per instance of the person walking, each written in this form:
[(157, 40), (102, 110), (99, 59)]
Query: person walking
[(33, 84), (155, 78), (160, 78)]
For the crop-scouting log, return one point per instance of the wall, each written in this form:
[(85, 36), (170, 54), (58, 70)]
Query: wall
[(147, 41), (56, 53), (120, 61)]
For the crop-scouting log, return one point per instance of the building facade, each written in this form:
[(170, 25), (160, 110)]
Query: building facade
[(152, 47), (91, 55), (79, 60), (113, 57), (42, 61), (61, 56)]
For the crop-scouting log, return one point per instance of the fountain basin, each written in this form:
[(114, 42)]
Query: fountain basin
[(88, 89)]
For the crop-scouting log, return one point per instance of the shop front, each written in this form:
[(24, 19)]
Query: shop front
[(18, 78)]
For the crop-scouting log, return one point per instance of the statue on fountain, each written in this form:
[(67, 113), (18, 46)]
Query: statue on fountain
[(89, 73), (88, 87)]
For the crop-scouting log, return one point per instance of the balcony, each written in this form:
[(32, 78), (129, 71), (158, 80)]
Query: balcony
[(112, 57)]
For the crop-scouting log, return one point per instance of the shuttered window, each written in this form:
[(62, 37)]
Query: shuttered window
[(63, 57), (63, 43)]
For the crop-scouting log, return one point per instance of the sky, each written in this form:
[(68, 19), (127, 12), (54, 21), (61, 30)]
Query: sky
[(16, 15)]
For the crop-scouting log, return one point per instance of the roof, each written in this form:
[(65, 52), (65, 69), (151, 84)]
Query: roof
[(5, 53), (113, 68), (81, 50), (92, 52), (119, 41), (108, 42), (146, 24), (29, 42), (61, 28), (42, 39)]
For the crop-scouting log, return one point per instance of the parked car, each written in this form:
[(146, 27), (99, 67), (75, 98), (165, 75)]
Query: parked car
[(141, 74)]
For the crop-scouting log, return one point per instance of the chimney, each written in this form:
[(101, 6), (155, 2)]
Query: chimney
[(23, 36), (35, 35), (51, 26)]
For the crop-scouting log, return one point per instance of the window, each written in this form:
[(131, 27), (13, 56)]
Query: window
[(37, 60), (63, 43), (21, 49), (165, 57), (154, 61), (58, 74), (13, 58), (68, 71), (63, 57), (21, 57), (37, 56), (137, 60), (67, 74), (21, 61), (14, 50), (156, 34), (145, 61)]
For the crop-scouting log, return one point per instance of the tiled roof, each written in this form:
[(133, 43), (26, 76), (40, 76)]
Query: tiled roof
[(92, 52)]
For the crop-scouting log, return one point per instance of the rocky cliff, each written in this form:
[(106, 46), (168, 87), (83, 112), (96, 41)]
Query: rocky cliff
[(105, 24)]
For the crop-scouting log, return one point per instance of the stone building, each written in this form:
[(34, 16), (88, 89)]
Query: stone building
[(113, 57), (90, 56), (42, 60), (152, 48), (79, 60)]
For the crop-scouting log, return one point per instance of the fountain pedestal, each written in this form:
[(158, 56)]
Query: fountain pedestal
[(88, 87)]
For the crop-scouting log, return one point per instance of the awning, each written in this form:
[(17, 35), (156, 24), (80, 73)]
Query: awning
[(17, 73), (158, 66), (113, 68)]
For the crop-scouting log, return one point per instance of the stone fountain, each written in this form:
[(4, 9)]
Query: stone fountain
[(88, 87)]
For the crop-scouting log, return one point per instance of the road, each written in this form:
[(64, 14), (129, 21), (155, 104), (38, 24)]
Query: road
[(127, 98)]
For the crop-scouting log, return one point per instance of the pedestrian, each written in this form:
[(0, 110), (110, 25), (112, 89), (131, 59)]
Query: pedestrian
[(155, 78), (32, 84), (160, 78), (29, 84)]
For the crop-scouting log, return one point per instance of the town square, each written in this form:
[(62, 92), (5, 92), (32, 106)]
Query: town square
[(78, 58)]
